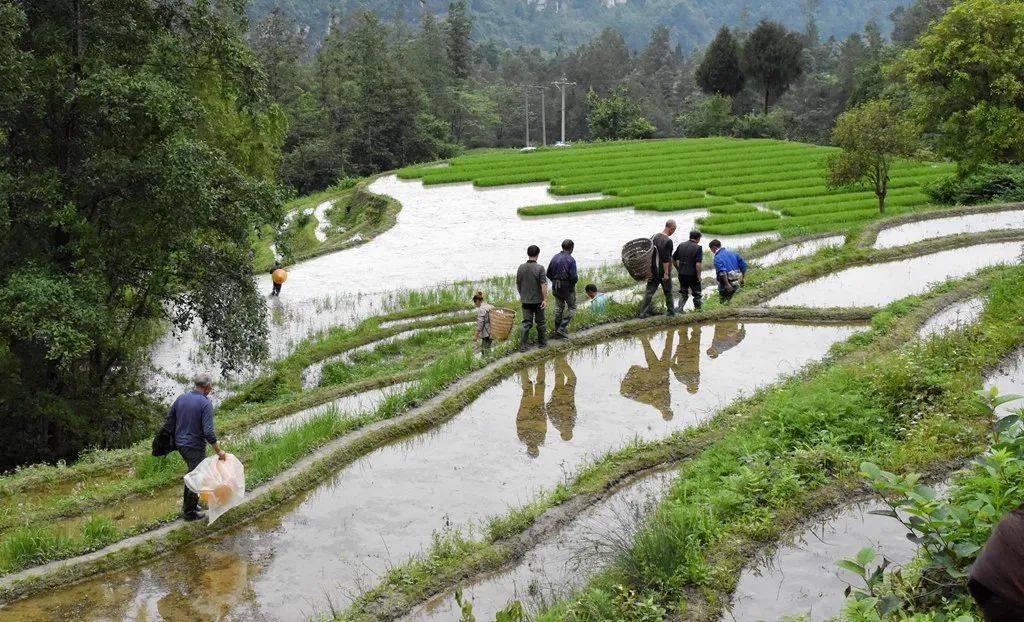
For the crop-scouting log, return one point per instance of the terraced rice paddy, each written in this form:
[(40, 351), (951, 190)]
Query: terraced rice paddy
[(954, 225), (880, 284), (530, 430), (955, 316), (728, 178)]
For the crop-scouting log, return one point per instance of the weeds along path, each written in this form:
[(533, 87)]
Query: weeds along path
[(299, 477)]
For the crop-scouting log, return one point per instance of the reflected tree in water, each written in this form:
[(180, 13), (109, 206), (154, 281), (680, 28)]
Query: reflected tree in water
[(686, 363), (728, 335), (562, 405), (531, 420), (650, 385)]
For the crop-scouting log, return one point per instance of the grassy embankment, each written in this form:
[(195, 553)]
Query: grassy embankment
[(728, 177), (760, 466)]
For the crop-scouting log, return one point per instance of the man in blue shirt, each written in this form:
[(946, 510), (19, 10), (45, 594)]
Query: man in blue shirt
[(191, 420), (562, 274), (730, 270)]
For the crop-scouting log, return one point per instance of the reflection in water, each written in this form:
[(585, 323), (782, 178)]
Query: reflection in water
[(686, 364), (385, 506), (531, 420), (562, 405), (728, 335), (650, 385)]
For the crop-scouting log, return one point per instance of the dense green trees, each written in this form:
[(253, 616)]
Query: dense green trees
[(139, 149), (719, 73)]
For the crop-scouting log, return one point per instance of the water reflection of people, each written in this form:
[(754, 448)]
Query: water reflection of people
[(686, 364), (531, 420), (562, 405), (650, 385), (728, 335)]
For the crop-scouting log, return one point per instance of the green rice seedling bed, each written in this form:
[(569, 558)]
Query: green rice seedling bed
[(724, 176)]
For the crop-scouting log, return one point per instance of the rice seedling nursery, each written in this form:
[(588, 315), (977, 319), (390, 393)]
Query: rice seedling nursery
[(746, 186)]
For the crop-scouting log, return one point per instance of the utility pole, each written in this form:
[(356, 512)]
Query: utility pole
[(527, 93), (543, 119), (561, 84)]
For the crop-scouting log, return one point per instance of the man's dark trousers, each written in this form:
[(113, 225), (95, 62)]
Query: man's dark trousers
[(532, 314), (652, 288), (192, 458), (565, 309), (689, 284)]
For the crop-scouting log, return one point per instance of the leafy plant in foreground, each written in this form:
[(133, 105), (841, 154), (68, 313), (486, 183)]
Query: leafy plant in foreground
[(950, 532)]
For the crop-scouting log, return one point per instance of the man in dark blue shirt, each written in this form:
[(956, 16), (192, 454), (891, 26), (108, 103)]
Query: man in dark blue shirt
[(730, 270), (191, 419), (562, 274)]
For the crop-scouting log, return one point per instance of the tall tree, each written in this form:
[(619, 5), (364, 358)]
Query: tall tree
[(458, 28), (279, 42), (968, 78), (910, 22), (872, 137), (719, 73), (772, 59), (137, 166)]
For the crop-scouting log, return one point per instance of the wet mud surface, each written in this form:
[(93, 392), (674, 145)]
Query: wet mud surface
[(526, 433), (954, 225), (880, 284), (799, 249)]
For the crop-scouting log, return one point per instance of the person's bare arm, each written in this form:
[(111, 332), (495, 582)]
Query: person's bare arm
[(220, 452), (544, 295), (668, 271), (700, 267)]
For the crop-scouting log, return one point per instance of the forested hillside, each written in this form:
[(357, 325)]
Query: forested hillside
[(554, 23)]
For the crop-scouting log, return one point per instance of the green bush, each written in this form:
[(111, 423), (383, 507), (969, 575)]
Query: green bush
[(989, 184)]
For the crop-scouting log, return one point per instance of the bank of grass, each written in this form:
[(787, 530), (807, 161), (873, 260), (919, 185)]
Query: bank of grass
[(504, 538), (721, 175), (908, 408)]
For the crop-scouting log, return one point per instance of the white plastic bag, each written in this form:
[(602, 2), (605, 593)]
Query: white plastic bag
[(220, 484)]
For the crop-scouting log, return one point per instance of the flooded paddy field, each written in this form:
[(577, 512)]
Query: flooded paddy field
[(435, 225), (882, 283), (952, 317), (565, 560), (357, 402), (910, 233), (798, 250), (528, 432)]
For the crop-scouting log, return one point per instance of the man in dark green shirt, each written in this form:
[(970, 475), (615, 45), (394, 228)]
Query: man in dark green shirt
[(533, 295)]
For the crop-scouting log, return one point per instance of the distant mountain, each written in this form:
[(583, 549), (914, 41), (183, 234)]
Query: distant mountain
[(553, 23)]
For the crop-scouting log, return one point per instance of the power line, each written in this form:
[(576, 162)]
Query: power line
[(561, 84)]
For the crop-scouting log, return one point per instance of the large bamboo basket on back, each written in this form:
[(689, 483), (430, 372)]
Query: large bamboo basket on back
[(638, 257), (502, 321)]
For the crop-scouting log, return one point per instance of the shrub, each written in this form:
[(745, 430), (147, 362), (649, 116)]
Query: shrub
[(707, 117), (991, 183)]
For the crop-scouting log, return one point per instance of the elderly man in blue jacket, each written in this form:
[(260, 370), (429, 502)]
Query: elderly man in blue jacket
[(730, 270), (191, 421)]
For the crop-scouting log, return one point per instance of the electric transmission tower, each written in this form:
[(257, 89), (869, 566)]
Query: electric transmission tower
[(561, 84)]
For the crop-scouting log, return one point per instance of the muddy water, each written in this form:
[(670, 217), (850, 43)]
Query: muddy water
[(565, 560), (526, 433), (801, 577), (952, 317), (355, 403), (880, 284), (799, 249), (443, 233), (939, 227)]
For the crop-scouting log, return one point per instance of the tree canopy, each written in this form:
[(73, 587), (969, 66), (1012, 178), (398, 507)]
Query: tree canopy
[(138, 160), (967, 74), (719, 72), (772, 59), (617, 117)]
